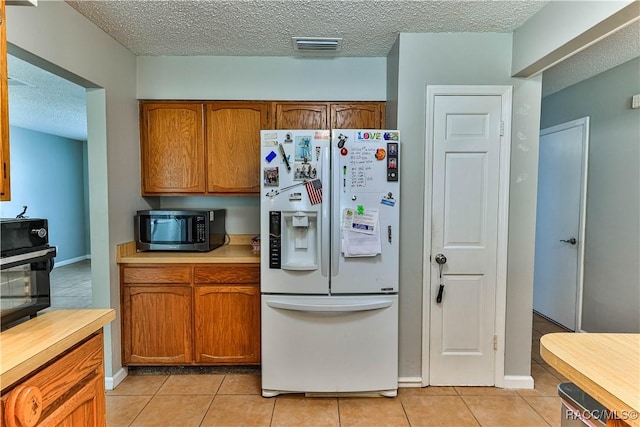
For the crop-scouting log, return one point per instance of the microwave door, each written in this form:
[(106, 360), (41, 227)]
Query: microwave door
[(190, 226), (162, 230)]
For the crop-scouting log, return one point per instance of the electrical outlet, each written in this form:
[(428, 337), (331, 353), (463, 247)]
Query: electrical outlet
[(635, 101)]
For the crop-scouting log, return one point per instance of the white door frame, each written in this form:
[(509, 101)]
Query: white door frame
[(506, 92), (582, 221)]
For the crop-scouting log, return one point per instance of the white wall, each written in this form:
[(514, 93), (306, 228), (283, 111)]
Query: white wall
[(261, 78), (59, 35), (463, 59)]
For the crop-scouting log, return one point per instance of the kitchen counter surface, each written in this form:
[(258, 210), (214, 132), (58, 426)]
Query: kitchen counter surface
[(239, 250), (29, 345), (605, 366)]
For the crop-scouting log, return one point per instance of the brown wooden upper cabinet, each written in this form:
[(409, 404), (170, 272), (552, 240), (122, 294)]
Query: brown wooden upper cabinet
[(358, 115), (172, 147), (301, 115), (213, 147), (329, 115), (5, 177), (233, 145)]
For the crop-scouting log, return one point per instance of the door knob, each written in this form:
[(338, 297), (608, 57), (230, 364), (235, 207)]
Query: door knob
[(441, 259), (572, 240)]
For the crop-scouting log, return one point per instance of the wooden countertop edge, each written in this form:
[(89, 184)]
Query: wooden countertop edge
[(595, 390), (39, 355), (237, 251)]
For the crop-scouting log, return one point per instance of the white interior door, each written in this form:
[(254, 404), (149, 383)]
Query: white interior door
[(465, 228), (557, 283)]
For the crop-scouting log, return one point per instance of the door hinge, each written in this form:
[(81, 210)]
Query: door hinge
[(495, 342), (501, 128)]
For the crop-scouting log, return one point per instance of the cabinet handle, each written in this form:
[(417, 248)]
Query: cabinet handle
[(23, 407)]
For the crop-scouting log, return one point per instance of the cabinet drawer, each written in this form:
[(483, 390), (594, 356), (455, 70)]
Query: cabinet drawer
[(226, 273), (64, 375), (177, 274)]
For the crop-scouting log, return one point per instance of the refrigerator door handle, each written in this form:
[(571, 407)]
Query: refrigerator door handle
[(325, 248), (330, 308), (336, 219)]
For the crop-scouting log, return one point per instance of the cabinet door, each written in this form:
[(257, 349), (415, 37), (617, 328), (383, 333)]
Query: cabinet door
[(227, 324), (5, 181), (86, 407), (156, 324), (358, 115), (172, 148), (233, 145), (301, 115)]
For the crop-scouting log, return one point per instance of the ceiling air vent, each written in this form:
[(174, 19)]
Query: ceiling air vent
[(316, 44)]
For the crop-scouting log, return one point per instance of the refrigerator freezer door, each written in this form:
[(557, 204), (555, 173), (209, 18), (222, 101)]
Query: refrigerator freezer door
[(318, 344), (365, 165), (294, 211)]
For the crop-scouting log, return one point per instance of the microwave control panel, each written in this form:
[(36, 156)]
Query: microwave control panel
[(201, 231)]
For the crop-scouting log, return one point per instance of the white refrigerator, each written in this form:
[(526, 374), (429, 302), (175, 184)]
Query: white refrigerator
[(329, 231)]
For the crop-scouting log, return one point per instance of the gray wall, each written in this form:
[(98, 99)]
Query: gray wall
[(611, 298), (66, 41), (48, 176), (419, 60)]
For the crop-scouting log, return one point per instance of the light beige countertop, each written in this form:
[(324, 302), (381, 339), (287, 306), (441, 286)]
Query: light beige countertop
[(605, 366), (238, 250), (29, 345)]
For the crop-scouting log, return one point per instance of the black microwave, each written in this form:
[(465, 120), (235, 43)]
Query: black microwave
[(179, 230)]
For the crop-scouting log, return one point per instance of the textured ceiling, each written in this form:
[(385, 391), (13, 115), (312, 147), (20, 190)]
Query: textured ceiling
[(265, 27), (44, 102)]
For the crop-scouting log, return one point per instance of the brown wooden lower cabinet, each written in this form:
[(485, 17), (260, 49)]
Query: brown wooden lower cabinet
[(157, 324), (67, 392), (190, 314), (227, 324)]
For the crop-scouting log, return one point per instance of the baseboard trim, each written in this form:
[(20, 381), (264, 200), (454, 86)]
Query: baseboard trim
[(112, 382), (524, 382), (409, 382), (71, 261)]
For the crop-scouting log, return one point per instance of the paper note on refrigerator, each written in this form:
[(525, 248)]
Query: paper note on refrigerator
[(361, 234), (365, 222)]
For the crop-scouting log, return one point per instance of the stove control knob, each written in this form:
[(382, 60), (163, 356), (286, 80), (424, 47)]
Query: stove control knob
[(41, 232)]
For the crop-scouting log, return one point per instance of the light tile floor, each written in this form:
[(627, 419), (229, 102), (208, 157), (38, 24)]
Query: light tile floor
[(71, 286), (234, 400)]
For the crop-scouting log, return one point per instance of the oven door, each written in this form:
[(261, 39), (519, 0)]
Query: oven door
[(25, 284)]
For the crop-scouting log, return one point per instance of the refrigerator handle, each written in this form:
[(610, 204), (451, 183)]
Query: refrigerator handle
[(339, 184), (325, 247), (330, 308)]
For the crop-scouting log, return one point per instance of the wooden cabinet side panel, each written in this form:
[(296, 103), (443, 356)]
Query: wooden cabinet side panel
[(233, 145), (227, 321), (369, 115), (5, 173), (172, 147), (156, 324), (301, 116)]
